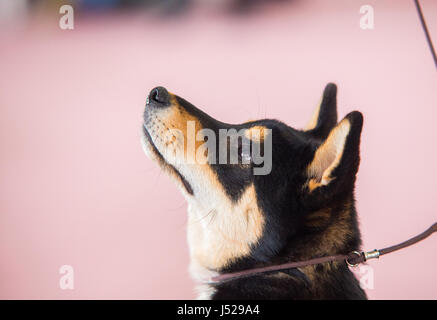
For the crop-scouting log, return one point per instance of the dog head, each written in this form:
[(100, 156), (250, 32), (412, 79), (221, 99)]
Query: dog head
[(255, 189)]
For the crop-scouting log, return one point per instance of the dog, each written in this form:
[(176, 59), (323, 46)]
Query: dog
[(301, 207)]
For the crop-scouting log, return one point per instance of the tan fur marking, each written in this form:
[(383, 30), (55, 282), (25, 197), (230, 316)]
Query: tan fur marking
[(179, 118), (256, 133)]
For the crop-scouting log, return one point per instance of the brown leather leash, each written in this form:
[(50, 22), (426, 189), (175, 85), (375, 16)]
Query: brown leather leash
[(352, 259)]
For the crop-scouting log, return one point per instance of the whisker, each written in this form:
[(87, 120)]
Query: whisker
[(211, 211)]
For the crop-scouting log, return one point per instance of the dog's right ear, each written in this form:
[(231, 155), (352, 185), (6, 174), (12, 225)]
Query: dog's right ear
[(324, 118), (335, 163)]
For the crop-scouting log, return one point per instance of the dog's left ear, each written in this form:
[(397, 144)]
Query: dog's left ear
[(336, 160), (325, 116)]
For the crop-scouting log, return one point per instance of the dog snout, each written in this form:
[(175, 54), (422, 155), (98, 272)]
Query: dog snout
[(158, 97)]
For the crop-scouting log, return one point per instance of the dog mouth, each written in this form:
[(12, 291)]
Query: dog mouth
[(164, 164)]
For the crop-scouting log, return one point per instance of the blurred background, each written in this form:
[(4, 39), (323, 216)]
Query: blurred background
[(76, 188)]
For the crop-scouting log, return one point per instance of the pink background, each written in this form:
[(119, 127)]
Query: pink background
[(76, 188)]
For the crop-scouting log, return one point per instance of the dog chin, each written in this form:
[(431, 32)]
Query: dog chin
[(154, 154), (149, 148)]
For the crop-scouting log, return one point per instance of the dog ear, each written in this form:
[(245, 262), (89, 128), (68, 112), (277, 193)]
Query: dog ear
[(325, 116), (336, 160)]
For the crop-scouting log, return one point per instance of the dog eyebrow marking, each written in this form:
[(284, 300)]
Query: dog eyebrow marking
[(256, 133)]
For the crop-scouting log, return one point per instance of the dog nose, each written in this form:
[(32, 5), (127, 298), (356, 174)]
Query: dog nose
[(159, 96)]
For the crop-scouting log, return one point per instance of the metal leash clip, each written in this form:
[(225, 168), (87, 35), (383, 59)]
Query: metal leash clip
[(374, 254)]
